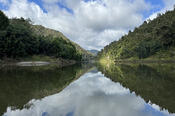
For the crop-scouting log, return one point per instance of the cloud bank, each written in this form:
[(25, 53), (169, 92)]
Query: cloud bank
[(91, 23)]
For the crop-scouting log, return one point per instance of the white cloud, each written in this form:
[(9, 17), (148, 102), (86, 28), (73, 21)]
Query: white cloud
[(21, 8), (169, 4), (93, 24)]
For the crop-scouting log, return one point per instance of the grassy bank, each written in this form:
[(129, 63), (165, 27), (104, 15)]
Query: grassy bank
[(145, 61), (160, 57), (153, 59)]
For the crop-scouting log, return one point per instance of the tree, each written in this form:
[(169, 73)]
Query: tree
[(159, 14), (4, 21)]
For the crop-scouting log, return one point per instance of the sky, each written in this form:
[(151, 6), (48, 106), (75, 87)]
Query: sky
[(92, 24)]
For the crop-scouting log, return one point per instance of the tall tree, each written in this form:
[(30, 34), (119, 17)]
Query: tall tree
[(4, 22)]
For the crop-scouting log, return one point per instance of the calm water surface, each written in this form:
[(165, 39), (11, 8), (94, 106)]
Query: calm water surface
[(118, 90)]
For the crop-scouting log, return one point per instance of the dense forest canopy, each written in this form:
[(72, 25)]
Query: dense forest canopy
[(18, 40), (154, 38)]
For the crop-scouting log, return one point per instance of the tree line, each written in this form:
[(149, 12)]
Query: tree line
[(17, 40)]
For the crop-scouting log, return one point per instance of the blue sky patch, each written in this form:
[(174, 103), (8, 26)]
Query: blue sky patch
[(153, 112), (70, 114), (63, 6), (3, 6), (157, 6), (60, 5), (40, 3)]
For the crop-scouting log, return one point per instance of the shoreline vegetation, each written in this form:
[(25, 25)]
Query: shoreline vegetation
[(145, 61), (106, 61)]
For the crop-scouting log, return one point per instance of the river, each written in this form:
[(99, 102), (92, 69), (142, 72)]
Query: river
[(88, 90)]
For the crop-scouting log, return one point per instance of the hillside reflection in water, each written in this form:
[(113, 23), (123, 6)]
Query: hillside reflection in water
[(91, 95)]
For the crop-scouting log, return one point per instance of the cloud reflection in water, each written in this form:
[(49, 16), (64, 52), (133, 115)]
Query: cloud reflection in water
[(91, 95)]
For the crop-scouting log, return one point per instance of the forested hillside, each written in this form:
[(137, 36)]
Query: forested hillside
[(20, 39), (152, 40), (42, 31)]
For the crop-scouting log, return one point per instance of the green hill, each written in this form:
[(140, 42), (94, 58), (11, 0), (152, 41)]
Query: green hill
[(42, 31), (20, 39), (152, 40)]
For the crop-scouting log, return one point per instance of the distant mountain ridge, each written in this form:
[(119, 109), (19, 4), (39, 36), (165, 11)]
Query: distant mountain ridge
[(94, 52)]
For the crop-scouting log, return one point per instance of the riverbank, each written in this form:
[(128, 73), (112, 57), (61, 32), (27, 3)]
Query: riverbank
[(144, 61), (107, 61), (37, 61)]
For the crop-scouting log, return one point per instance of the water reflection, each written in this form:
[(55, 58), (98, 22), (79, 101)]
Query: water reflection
[(18, 85), (91, 95), (153, 82)]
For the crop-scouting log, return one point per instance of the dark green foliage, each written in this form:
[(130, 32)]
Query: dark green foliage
[(145, 41), (147, 48), (18, 40), (58, 47), (4, 22)]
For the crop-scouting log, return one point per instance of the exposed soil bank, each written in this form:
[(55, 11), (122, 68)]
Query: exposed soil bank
[(33, 63), (37, 61)]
